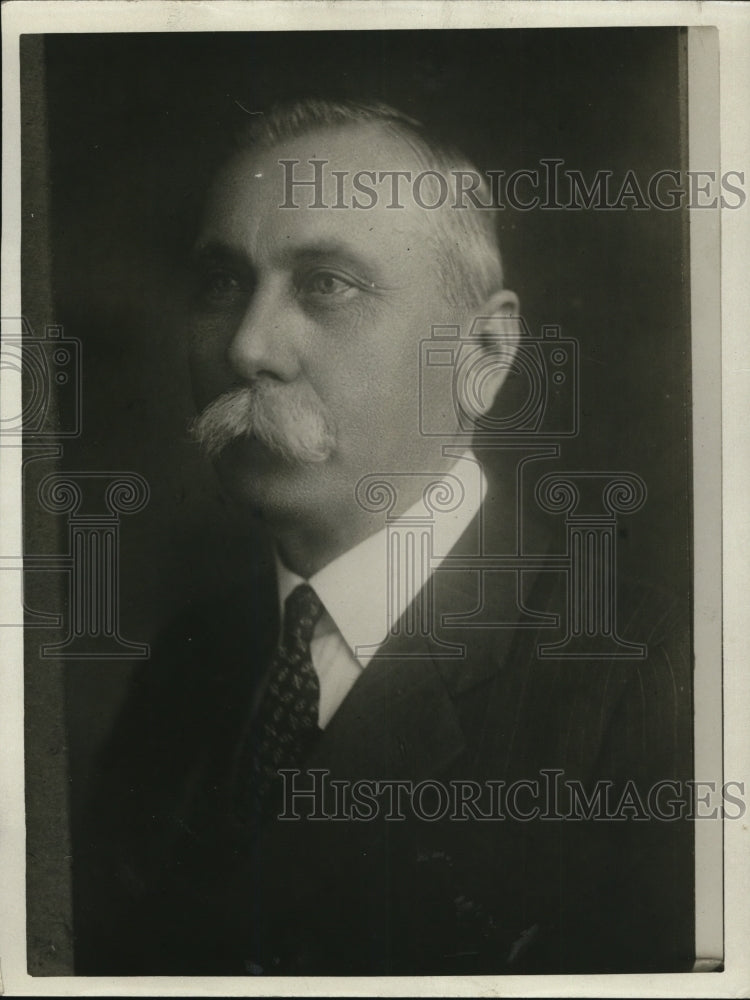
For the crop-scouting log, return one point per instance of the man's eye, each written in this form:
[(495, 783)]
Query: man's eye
[(325, 283), (218, 287)]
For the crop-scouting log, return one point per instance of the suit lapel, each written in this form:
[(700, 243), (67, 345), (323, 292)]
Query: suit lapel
[(400, 718), (397, 721)]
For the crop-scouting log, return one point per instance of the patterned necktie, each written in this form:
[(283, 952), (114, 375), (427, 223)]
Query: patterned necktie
[(287, 720)]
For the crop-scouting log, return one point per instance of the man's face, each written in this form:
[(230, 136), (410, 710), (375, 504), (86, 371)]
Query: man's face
[(326, 308)]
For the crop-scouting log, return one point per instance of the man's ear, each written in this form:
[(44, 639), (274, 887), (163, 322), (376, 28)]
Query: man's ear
[(498, 326), (499, 318)]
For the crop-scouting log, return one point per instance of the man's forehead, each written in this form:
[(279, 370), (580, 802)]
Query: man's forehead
[(263, 197), (353, 146)]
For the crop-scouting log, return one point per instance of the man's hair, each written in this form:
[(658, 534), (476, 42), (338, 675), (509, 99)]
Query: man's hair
[(466, 241)]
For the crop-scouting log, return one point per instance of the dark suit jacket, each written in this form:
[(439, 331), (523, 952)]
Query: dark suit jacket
[(170, 882)]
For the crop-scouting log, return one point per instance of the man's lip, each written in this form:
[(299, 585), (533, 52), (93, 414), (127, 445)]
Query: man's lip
[(247, 442)]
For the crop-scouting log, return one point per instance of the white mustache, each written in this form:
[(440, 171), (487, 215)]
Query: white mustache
[(291, 422)]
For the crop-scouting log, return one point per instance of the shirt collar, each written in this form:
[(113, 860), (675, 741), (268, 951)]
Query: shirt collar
[(354, 586)]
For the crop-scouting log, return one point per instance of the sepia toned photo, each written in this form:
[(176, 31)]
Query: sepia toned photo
[(363, 599)]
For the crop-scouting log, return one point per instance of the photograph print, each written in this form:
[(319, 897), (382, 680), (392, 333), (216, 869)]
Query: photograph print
[(358, 525)]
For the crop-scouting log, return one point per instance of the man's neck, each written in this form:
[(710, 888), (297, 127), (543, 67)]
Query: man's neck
[(307, 547)]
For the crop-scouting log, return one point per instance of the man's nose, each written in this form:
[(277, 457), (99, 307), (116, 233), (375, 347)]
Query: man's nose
[(263, 343)]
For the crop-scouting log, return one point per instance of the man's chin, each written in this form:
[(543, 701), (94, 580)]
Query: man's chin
[(265, 479)]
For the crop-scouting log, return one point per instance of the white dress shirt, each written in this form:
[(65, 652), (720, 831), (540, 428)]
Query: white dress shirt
[(358, 610)]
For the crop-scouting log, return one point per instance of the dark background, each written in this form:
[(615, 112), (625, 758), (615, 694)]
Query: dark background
[(120, 139)]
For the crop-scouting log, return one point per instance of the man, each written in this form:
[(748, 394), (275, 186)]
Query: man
[(250, 818)]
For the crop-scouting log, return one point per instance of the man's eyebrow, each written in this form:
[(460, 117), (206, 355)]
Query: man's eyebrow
[(318, 250), (214, 251)]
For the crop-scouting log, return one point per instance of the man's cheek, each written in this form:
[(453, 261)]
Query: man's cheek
[(206, 381), (209, 370)]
